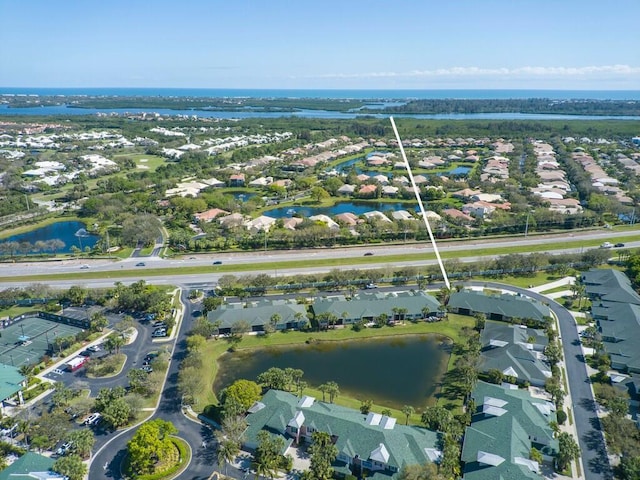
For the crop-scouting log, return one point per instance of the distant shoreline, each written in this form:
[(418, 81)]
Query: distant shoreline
[(359, 94)]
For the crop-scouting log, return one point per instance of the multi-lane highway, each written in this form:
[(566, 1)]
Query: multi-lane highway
[(419, 255)]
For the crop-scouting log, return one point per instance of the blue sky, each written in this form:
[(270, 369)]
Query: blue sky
[(345, 44)]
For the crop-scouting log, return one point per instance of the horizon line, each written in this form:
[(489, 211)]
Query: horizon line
[(331, 88)]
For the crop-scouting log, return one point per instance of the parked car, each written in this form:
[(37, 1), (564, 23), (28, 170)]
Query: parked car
[(159, 324), (159, 333), (64, 448), (93, 419), (94, 348), (147, 368)]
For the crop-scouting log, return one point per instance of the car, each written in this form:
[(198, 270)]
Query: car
[(159, 323), (63, 448), (140, 264), (370, 286), (368, 254), (159, 334), (84, 267), (93, 419), (619, 245), (218, 262), (94, 348), (147, 368)]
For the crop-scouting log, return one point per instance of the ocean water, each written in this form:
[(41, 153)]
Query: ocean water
[(338, 94)]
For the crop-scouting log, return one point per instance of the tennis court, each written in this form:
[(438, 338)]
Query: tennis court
[(26, 341)]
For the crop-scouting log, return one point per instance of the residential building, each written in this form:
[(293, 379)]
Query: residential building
[(11, 383), (289, 315), (374, 443), (506, 425), (209, 215), (516, 351), (506, 307), (31, 466), (615, 307), (398, 306)]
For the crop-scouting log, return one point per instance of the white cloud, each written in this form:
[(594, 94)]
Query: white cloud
[(526, 71)]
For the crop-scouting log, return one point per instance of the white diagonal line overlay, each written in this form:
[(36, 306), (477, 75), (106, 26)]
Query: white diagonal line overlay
[(424, 214)]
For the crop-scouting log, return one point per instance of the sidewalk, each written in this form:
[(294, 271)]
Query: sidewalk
[(550, 286)]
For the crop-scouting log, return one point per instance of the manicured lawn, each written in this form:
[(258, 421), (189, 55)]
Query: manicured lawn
[(152, 161), (214, 348)]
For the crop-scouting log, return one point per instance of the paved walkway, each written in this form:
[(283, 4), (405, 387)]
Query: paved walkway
[(550, 286)]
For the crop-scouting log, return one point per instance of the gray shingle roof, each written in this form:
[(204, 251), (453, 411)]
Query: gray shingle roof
[(373, 305), (610, 286), (258, 315), (504, 305), (616, 308)]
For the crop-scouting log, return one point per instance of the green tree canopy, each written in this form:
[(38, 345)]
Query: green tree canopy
[(149, 444), (245, 392)]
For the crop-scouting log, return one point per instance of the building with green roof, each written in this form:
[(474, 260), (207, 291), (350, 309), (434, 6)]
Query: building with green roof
[(287, 315), (619, 325), (507, 424), (31, 466), (505, 306), (11, 382), (608, 285), (366, 307), (373, 442), (615, 306), (516, 351)]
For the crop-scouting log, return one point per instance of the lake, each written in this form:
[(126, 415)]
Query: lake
[(71, 233), (391, 371)]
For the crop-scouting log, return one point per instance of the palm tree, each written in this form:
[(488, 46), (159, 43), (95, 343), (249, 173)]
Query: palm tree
[(227, 451), (324, 388), (408, 410), (333, 390)]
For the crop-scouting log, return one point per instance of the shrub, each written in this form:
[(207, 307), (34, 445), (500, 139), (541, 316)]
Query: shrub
[(562, 417)]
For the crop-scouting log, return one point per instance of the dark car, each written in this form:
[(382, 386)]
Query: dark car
[(140, 264), (618, 245), (217, 262), (368, 254)]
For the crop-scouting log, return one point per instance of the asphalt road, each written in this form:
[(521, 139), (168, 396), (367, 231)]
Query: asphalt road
[(466, 247), (590, 435), (106, 462)]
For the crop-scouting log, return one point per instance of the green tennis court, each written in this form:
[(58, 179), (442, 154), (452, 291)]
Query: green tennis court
[(26, 341)]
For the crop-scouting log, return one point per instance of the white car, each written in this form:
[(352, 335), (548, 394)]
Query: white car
[(93, 419)]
